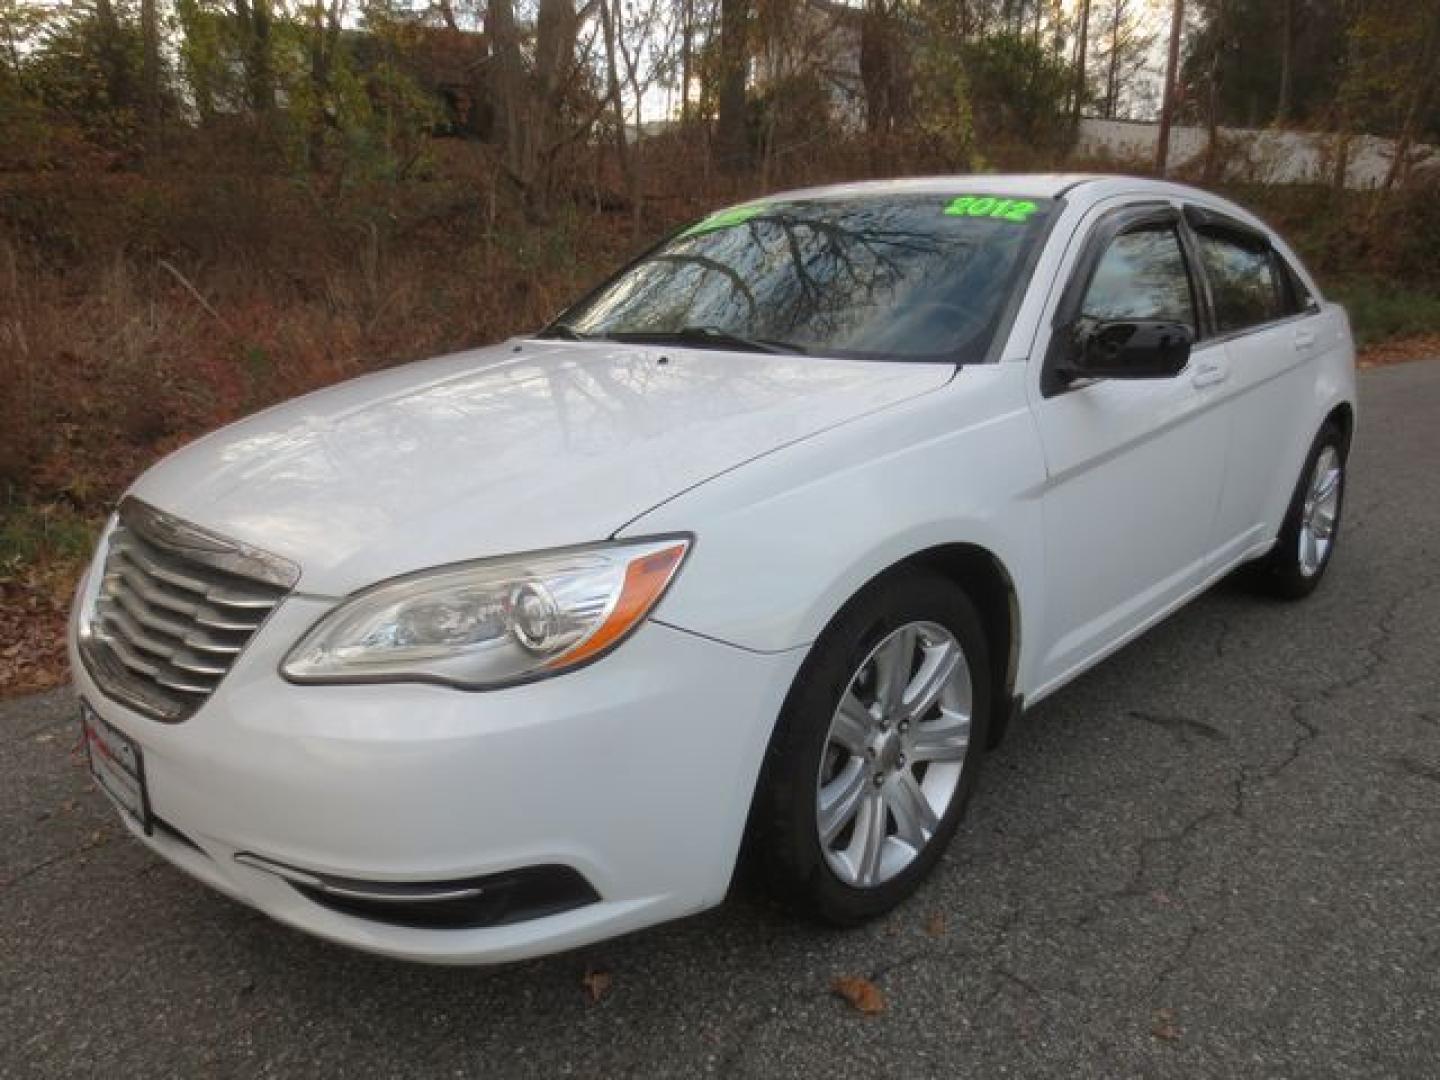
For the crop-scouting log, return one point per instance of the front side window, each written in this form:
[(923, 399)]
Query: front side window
[(1244, 284), (1142, 275), (912, 277)]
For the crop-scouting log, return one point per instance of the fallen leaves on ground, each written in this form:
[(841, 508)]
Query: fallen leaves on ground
[(32, 630), (596, 983), (1164, 1026), (935, 925), (1400, 350), (863, 995)]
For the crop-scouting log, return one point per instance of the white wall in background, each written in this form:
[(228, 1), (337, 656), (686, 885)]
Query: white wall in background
[(1264, 155)]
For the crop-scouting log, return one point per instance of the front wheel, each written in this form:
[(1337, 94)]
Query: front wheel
[(876, 750), (1294, 567)]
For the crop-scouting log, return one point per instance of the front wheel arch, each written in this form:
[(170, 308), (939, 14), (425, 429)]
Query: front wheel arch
[(988, 583)]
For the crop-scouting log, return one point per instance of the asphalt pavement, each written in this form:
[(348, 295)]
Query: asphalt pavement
[(1218, 854)]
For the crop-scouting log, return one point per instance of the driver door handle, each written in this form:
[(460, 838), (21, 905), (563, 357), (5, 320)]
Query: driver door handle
[(1208, 373)]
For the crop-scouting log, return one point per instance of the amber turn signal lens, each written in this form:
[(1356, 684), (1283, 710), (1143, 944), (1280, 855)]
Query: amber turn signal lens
[(645, 581)]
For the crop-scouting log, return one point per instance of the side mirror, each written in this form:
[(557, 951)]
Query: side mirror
[(1128, 349)]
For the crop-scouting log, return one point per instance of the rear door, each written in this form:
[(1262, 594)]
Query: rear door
[(1135, 466), (1266, 321)]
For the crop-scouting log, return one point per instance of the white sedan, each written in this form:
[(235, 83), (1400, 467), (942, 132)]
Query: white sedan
[(759, 544)]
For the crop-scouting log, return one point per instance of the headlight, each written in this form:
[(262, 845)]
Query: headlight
[(494, 622), (88, 591)]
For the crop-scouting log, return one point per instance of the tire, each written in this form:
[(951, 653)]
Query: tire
[(1296, 564), (910, 620)]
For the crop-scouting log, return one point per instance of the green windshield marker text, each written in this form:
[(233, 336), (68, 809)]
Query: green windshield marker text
[(724, 219), (989, 206)]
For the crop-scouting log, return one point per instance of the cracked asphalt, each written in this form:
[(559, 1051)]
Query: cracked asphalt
[(1218, 854)]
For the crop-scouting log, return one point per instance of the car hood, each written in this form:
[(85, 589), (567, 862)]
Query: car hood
[(506, 449)]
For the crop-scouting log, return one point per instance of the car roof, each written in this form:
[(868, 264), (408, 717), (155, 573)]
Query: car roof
[(1037, 185), (1087, 187)]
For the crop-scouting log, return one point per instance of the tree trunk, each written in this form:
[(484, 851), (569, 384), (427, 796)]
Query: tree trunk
[(1167, 107), (1287, 60), (731, 142), (254, 19), (1423, 84), (1112, 76), (636, 179), (1212, 119), (320, 56), (150, 71), (556, 30), (687, 38), (506, 88), (616, 101), (111, 54), (875, 66), (1081, 45)]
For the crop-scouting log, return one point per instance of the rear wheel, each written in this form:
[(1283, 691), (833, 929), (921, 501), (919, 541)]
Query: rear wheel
[(1294, 567), (876, 750)]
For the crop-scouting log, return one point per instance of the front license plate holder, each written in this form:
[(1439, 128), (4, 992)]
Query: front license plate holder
[(117, 766)]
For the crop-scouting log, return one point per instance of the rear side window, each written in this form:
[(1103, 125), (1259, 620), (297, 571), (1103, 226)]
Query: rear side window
[(1297, 296), (1245, 282), (1142, 275)]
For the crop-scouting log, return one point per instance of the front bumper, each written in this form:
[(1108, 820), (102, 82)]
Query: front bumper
[(636, 772)]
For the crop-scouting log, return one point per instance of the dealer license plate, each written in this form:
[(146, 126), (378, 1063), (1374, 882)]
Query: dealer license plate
[(117, 766)]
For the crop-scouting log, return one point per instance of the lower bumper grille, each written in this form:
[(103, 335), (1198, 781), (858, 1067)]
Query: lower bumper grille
[(174, 607), (468, 904)]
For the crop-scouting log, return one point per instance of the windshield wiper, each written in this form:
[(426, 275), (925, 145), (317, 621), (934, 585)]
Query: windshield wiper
[(708, 336)]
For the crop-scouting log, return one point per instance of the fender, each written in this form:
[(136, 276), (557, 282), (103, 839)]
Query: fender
[(764, 527)]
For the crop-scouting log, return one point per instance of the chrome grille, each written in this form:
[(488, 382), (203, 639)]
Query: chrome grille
[(174, 607)]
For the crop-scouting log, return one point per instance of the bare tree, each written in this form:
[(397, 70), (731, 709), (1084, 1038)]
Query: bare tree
[(111, 54), (254, 18), (1287, 60), (324, 31), (687, 41), (1422, 88), (1078, 101), (730, 136), (150, 70), (507, 78), (1167, 107), (1219, 40)]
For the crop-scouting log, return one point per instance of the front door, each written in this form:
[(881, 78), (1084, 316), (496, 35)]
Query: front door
[(1135, 466)]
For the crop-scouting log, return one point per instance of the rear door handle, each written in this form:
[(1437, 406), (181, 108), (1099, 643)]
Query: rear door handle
[(1208, 373), (1304, 340)]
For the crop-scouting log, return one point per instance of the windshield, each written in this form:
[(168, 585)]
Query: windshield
[(884, 277)]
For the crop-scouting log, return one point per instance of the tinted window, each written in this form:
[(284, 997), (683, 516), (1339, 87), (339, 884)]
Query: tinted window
[(890, 277), (1243, 282), (1142, 275)]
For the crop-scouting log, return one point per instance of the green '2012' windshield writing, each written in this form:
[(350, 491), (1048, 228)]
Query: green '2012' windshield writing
[(989, 206)]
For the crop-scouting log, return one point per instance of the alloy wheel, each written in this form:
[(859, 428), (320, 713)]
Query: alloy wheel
[(1319, 515), (894, 753)]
